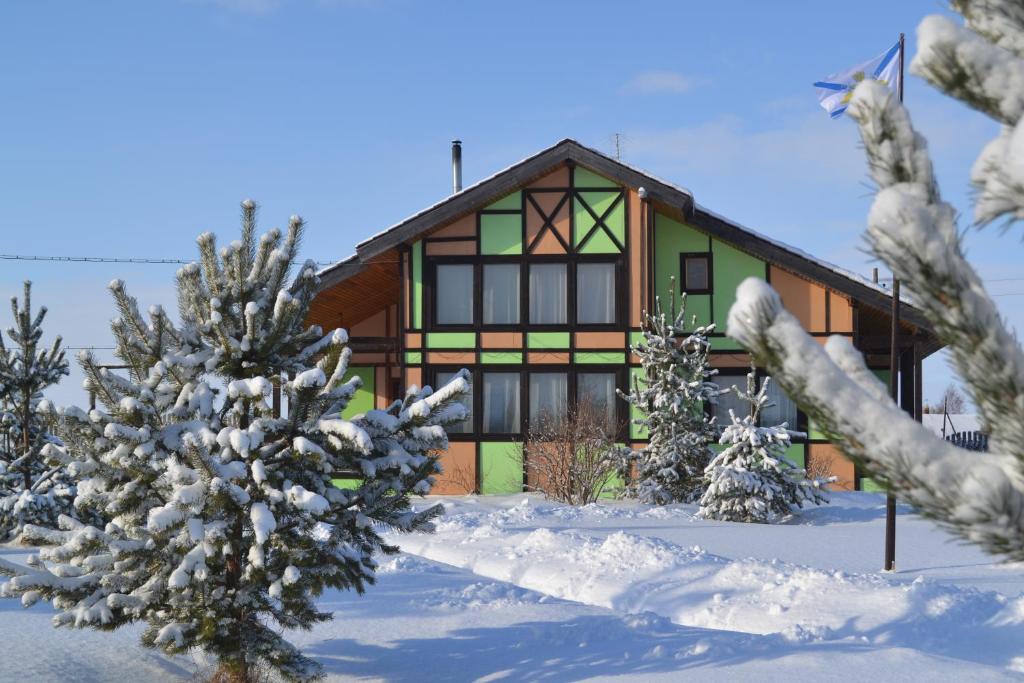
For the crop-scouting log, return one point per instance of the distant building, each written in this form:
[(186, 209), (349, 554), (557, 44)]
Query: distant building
[(535, 279)]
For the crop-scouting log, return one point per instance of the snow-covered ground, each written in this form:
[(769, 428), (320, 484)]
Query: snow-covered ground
[(517, 588)]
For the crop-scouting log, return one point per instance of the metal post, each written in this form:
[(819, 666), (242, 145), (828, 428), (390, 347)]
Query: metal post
[(894, 388)]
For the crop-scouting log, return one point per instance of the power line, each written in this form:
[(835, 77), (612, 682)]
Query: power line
[(107, 259)]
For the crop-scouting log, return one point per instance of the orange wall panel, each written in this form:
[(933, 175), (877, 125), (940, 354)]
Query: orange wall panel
[(451, 357), (368, 358), (600, 340), (804, 299), (463, 227), (501, 340), (730, 360), (413, 340), (547, 357), (838, 465), (413, 376), (460, 248), (636, 259), (557, 178), (548, 202), (381, 387), (374, 326), (459, 470), (840, 313)]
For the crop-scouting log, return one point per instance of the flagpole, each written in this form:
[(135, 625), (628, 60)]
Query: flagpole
[(894, 367)]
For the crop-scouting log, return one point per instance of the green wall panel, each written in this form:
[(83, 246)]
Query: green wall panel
[(451, 340), (501, 233), (364, 397), (636, 338), (730, 267), (414, 357), (600, 243), (547, 340), (606, 357), (869, 484), (672, 238), (346, 483), (501, 468), (417, 285), (501, 357), (636, 431), (616, 222), (513, 202), (583, 177), (796, 454), (724, 343)]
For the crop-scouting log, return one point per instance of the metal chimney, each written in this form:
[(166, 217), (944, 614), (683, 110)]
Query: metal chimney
[(456, 166)]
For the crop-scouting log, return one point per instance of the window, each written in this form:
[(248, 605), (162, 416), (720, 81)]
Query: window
[(783, 410), (548, 397), (466, 426), (454, 296), (501, 403), (595, 293), (695, 273), (548, 294), (596, 391), (720, 409), (501, 294)]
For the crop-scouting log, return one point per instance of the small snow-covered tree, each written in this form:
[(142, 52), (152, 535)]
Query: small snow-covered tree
[(34, 485), (978, 496), (671, 397), (752, 480), (224, 525)]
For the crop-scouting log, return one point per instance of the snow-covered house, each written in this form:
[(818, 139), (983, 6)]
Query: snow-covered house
[(535, 279)]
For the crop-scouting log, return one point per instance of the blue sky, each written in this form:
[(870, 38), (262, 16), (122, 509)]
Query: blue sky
[(130, 127)]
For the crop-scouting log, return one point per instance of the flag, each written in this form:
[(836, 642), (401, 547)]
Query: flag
[(835, 91)]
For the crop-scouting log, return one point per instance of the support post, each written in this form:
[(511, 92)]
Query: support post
[(894, 390)]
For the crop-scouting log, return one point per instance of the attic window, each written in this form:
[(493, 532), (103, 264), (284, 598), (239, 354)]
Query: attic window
[(695, 273)]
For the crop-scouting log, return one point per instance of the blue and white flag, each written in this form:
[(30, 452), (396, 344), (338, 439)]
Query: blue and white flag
[(834, 92)]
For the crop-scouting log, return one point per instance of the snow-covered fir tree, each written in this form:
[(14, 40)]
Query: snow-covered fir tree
[(752, 480), (978, 496), (671, 397), (223, 524), (35, 487)]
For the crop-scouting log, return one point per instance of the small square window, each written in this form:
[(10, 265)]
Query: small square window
[(695, 273)]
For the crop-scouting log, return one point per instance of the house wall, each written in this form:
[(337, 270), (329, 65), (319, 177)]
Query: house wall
[(572, 216)]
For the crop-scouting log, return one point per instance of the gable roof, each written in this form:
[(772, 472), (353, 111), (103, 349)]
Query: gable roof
[(659, 191)]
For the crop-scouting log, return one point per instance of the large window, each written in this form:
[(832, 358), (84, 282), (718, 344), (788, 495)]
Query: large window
[(595, 391), (695, 273), (453, 302), (501, 402), (501, 293), (549, 397), (780, 408), (466, 426), (729, 400), (548, 294), (595, 293)]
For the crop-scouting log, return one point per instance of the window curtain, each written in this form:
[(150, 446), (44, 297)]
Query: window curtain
[(454, 299), (501, 294), (730, 400), (597, 390), (548, 294), (501, 403), (548, 397), (595, 293), (466, 426), (784, 409)]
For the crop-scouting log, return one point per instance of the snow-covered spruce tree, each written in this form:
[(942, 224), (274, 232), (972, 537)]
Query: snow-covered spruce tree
[(34, 485), (671, 396), (977, 496), (223, 525), (752, 480)]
